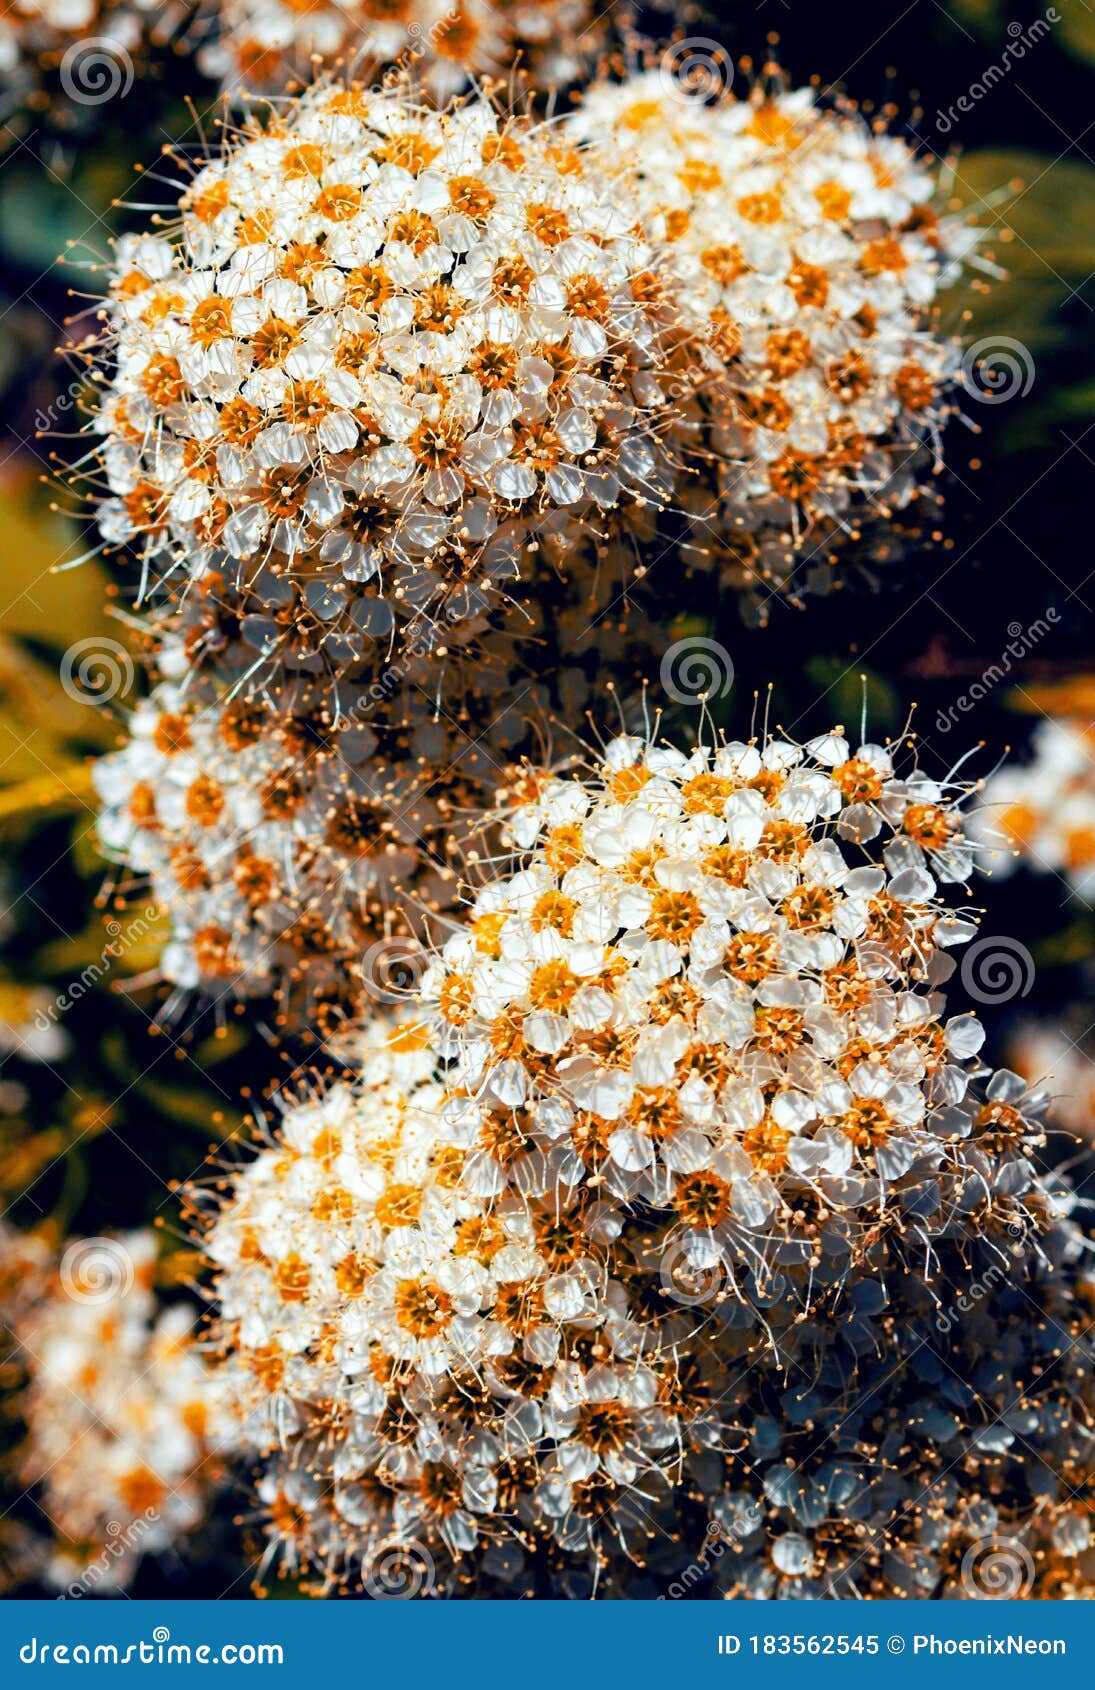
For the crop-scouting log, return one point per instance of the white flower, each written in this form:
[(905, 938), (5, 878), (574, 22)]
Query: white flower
[(1042, 813), (807, 258), (266, 43), (381, 353), (103, 38), (123, 1419), (295, 824), (748, 1034)]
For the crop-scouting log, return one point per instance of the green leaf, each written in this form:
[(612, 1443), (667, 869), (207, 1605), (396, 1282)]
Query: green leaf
[(1073, 30), (845, 686), (192, 1109), (114, 947), (42, 600), (1039, 217), (1077, 29), (39, 721)]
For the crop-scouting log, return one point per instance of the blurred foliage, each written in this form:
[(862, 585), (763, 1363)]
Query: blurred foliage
[(1041, 216), (1044, 212), (1075, 31), (43, 728)]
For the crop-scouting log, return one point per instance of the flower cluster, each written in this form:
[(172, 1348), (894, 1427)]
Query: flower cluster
[(383, 348), (271, 45), (712, 987), (388, 343), (427, 1366), (807, 252), (958, 1466), (1057, 1060), (672, 1112), (656, 1229), (1042, 814), (298, 836), (281, 847), (60, 56), (121, 1417), (266, 43), (390, 355)]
